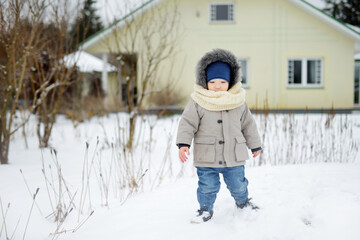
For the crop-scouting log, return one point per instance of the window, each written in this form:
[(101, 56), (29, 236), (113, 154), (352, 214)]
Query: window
[(356, 83), (221, 12), (244, 72), (305, 72)]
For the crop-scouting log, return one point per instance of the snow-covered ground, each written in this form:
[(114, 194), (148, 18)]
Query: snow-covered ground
[(316, 201), (153, 196)]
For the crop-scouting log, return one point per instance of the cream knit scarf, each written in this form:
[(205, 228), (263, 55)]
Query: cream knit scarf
[(219, 101)]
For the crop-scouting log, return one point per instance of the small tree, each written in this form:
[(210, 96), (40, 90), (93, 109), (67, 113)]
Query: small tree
[(18, 42), (23, 37), (142, 42), (48, 69), (49, 66)]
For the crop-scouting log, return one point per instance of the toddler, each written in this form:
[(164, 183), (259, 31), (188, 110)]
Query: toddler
[(217, 118)]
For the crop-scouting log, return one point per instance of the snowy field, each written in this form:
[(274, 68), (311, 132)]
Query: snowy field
[(306, 183)]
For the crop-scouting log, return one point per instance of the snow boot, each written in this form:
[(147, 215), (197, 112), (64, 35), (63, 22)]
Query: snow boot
[(202, 216), (247, 204)]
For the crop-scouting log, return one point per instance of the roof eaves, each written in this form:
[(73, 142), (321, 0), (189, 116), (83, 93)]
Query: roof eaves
[(327, 18), (106, 31)]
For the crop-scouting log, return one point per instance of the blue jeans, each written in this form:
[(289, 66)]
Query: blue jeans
[(209, 185)]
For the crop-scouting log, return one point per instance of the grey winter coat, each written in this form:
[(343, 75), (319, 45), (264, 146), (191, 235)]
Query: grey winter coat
[(221, 138)]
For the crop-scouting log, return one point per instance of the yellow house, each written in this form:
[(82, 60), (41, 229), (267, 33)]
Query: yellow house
[(293, 55)]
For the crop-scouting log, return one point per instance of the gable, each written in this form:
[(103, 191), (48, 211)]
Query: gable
[(329, 20), (301, 4)]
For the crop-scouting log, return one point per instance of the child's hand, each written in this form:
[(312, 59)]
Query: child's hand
[(182, 154), (255, 154)]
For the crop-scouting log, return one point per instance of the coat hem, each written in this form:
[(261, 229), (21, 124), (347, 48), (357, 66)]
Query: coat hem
[(213, 165)]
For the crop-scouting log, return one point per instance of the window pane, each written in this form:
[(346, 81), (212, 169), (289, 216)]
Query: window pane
[(243, 64), (310, 72), (297, 72), (222, 12), (356, 86), (313, 71)]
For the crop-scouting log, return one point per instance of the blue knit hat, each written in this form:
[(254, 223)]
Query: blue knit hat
[(218, 70)]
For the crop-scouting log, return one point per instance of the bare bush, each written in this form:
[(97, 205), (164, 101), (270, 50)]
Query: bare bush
[(139, 44), (305, 138), (61, 199), (49, 66), (120, 173), (19, 38), (32, 69)]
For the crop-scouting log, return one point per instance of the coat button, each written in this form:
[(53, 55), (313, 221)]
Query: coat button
[(219, 121), (221, 142), (220, 162)]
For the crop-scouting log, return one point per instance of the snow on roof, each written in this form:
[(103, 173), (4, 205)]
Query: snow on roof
[(87, 62)]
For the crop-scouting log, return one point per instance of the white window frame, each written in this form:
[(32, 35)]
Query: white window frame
[(221, 21), (304, 83), (247, 76)]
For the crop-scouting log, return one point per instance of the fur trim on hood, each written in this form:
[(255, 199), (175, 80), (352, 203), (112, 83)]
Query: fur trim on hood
[(214, 56)]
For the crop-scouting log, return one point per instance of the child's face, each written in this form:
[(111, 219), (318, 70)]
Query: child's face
[(217, 85)]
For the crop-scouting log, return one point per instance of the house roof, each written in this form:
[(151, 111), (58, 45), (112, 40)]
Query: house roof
[(350, 31), (87, 62)]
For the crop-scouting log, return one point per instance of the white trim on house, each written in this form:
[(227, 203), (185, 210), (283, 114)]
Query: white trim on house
[(350, 32), (304, 72), (104, 73)]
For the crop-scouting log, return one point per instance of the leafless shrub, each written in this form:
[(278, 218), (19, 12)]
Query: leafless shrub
[(33, 43), (121, 173), (146, 40), (18, 42), (4, 230), (85, 180), (4, 215), (49, 65), (60, 198), (307, 138)]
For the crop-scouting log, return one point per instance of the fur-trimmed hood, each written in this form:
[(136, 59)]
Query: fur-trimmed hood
[(214, 56)]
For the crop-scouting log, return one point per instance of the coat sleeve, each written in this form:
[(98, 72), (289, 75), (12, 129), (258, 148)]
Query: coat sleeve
[(249, 129), (188, 125)]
